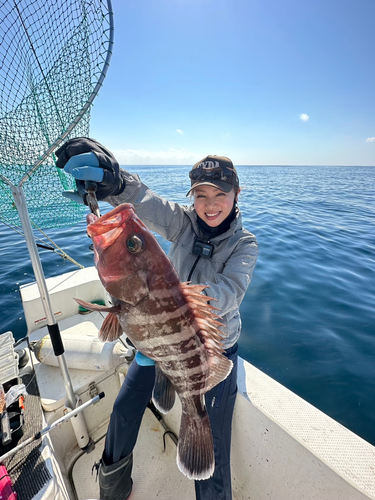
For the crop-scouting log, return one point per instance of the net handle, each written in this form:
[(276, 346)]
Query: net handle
[(80, 115)]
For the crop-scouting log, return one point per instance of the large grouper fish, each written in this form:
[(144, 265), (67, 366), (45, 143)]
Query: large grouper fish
[(168, 321)]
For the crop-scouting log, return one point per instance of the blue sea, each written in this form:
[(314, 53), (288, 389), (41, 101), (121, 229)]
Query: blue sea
[(309, 313)]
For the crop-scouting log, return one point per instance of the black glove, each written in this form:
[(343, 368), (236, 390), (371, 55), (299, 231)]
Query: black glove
[(112, 183)]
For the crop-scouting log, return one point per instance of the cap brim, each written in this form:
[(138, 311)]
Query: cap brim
[(224, 186)]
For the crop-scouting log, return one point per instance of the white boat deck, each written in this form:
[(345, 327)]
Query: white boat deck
[(155, 473)]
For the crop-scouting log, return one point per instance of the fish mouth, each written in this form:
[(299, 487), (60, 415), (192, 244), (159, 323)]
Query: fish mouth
[(107, 239), (105, 230), (91, 218), (107, 224)]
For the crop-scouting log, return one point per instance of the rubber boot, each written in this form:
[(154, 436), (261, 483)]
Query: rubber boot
[(115, 480)]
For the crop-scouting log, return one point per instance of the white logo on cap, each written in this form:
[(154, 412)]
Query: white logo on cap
[(209, 164)]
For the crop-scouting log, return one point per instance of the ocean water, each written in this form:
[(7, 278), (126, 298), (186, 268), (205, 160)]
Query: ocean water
[(309, 313)]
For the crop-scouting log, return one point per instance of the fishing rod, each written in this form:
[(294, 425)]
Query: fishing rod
[(49, 428)]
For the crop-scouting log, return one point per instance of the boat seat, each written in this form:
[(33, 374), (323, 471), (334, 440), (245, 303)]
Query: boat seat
[(51, 384)]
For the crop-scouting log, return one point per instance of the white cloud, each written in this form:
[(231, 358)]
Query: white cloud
[(370, 139), (304, 117), (179, 131), (145, 157)]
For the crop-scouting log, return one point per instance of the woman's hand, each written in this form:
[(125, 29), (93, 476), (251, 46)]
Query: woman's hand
[(88, 161)]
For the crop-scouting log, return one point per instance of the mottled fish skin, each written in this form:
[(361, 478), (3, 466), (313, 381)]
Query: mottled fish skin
[(167, 321)]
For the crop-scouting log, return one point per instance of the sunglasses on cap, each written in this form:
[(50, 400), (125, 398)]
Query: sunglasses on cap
[(222, 173)]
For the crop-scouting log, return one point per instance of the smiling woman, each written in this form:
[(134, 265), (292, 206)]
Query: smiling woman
[(213, 205), (215, 189), (210, 250)]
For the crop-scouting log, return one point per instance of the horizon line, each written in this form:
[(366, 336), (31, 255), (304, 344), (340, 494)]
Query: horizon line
[(242, 165)]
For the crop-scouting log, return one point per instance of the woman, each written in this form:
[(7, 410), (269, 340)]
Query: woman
[(209, 247)]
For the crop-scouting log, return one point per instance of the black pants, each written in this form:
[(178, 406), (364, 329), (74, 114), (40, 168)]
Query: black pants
[(130, 406)]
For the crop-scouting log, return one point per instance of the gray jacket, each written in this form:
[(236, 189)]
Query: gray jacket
[(227, 272)]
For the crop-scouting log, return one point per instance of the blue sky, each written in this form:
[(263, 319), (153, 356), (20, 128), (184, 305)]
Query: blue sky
[(265, 82)]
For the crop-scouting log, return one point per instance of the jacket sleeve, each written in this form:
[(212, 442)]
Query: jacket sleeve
[(160, 215), (229, 287)]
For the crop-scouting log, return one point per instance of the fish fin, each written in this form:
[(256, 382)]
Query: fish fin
[(199, 304), (195, 451), (220, 368), (163, 395), (111, 329), (194, 288), (208, 333), (97, 307), (195, 291)]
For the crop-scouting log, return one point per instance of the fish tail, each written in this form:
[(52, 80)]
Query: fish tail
[(195, 452)]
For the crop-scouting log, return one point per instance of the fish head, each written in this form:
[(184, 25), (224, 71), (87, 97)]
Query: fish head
[(127, 255)]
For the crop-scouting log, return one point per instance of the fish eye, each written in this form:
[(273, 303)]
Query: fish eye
[(134, 244)]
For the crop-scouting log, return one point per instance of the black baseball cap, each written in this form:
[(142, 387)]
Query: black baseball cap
[(216, 171)]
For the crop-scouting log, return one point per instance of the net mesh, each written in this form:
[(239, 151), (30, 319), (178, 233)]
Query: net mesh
[(53, 55)]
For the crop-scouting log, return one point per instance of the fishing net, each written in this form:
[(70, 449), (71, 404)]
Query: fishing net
[(53, 58)]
